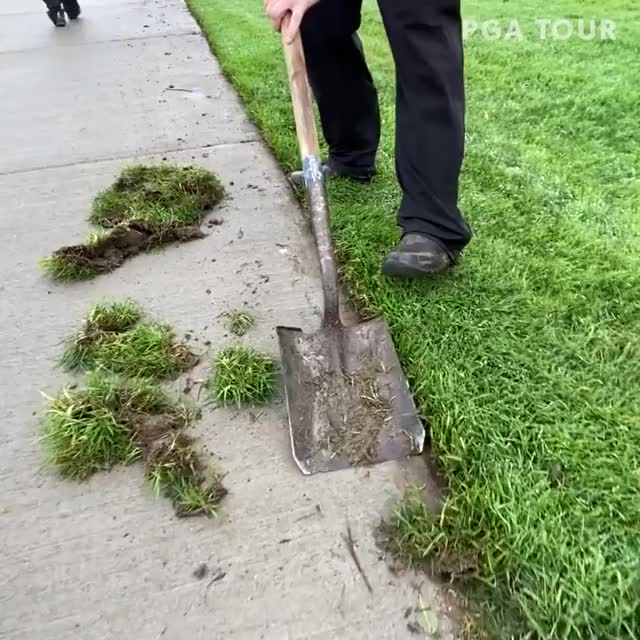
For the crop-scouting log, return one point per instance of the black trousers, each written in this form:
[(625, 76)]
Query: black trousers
[(55, 4), (426, 42)]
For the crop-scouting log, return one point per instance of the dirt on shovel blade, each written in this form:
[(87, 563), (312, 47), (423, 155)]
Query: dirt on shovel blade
[(348, 401), (355, 412)]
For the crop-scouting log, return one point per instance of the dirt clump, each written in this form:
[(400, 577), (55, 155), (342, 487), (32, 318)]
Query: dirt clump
[(175, 469), (201, 571), (185, 358), (173, 466), (122, 242), (148, 429), (457, 565)]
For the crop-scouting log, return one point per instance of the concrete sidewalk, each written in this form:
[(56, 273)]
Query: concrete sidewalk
[(104, 559)]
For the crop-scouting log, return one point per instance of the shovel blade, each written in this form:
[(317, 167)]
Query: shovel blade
[(348, 401)]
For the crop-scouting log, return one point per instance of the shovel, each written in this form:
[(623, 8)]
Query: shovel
[(348, 401)]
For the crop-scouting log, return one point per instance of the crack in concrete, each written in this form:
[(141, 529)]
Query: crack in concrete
[(124, 156)]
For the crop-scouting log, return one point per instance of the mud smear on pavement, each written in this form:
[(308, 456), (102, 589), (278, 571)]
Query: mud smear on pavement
[(122, 242)]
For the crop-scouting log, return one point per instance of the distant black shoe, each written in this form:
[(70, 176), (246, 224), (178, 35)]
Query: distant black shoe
[(331, 171), (417, 256), (73, 9), (56, 16)]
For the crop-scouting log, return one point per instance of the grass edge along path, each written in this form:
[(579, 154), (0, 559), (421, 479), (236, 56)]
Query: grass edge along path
[(525, 359)]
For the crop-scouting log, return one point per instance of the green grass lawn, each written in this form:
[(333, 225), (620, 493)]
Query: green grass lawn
[(527, 360)]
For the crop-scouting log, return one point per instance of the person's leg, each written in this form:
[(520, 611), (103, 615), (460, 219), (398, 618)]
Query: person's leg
[(426, 41), (72, 8), (55, 12), (342, 85)]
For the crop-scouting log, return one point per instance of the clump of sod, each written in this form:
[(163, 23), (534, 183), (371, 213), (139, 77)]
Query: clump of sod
[(166, 195), (146, 207), (114, 338), (242, 375), (57, 267), (115, 421), (92, 429), (238, 322), (175, 471)]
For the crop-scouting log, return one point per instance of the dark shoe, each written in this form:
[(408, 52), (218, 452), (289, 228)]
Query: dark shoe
[(73, 9), (57, 16), (330, 171), (417, 256)]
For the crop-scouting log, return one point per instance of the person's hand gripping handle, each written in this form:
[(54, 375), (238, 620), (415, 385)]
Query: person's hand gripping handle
[(292, 10)]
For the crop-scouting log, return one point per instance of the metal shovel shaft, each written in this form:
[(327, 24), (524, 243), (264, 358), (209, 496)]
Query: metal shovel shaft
[(313, 176)]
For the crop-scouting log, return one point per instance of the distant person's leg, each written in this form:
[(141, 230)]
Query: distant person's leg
[(55, 12), (72, 8)]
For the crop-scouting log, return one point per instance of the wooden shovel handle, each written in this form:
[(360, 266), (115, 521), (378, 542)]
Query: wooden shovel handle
[(300, 95)]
